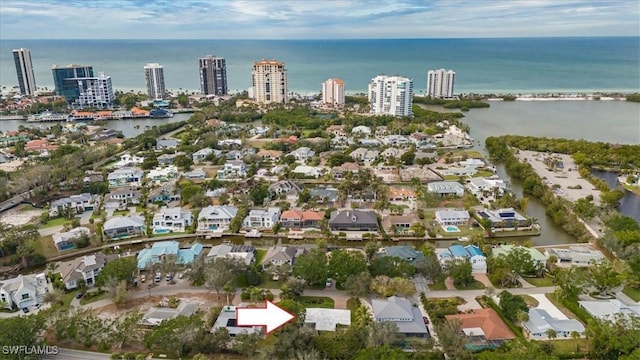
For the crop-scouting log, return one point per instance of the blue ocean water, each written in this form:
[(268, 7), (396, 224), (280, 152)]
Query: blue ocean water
[(515, 65)]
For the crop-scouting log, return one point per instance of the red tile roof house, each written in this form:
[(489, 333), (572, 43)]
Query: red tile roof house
[(39, 145), (300, 219), (484, 328)]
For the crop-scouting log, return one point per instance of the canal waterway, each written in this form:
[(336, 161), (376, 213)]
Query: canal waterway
[(630, 203)]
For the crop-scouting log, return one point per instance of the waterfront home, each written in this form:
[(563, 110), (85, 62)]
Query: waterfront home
[(259, 131), (215, 218), (308, 171), (482, 328), (450, 170), (127, 176), (471, 253), (167, 220), (396, 140), (401, 194), (392, 153), (370, 143), (361, 130), (161, 249), (422, 173), (270, 155), (353, 220), (302, 154), (611, 309), (336, 130), (504, 219), (452, 217), (127, 160), (195, 174), (339, 172), (399, 224), (486, 189), (66, 240), (280, 255), (446, 188), (324, 194), (402, 313), (538, 258), (404, 252), (84, 268), (121, 198), (297, 219), (233, 169), (77, 204), (286, 187), (156, 315), (540, 321), (246, 253), (364, 155), (40, 146), (262, 219), (228, 319), (327, 319), (163, 174), (165, 144), (24, 291), (121, 227), (202, 154), (575, 255)]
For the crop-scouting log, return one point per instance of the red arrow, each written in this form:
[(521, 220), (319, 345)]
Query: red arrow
[(271, 316)]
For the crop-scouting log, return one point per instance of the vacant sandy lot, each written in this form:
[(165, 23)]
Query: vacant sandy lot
[(16, 217)]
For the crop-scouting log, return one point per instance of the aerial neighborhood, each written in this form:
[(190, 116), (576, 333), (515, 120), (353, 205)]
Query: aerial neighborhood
[(369, 218)]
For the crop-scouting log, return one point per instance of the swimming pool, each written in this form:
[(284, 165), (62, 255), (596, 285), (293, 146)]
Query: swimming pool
[(161, 231), (451, 228)]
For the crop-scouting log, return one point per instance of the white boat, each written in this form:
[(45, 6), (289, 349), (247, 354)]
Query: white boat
[(47, 116), (463, 238), (253, 233)]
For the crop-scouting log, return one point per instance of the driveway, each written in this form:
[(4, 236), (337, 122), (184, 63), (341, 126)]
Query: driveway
[(484, 279), (548, 306)]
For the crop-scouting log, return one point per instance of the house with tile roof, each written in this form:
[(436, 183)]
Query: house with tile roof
[(300, 219), (401, 312), (395, 193), (483, 329), (399, 224)]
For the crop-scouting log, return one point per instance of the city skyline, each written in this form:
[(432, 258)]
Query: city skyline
[(63, 19)]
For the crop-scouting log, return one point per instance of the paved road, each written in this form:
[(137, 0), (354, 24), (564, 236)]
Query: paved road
[(14, 201), (69, 354)]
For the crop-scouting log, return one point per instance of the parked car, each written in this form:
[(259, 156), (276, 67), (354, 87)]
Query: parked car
[(36, 306), (25, 310), (143, 278), (426, 321), (158, 277), (169, 277), (79, 295), (329, 282)]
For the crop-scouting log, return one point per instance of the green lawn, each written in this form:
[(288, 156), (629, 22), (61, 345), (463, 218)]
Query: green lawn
[(260, 253), (475, 285), (531, 301), (45, 246), (540, 282), (317, 302), (54, 222), (633, 293), (438, 285), (121, 212), (569, 346), (93, 297), (268, 283)]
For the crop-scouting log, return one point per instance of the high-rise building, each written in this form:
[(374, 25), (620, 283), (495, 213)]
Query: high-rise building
[(269, 80), (62, 73), (154, 77), (213, 75), (91, 91), (24, 69), (391, 95), (333, 92), (440, 83)]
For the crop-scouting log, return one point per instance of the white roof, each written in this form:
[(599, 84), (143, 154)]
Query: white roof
[(327, 319)]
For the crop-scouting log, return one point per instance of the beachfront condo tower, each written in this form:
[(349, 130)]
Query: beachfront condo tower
[(333, 92), (391, 95), (68, 89), (89, 91), (269, 80), (213, 75), (24, 69), (154, 77), (440, 83)]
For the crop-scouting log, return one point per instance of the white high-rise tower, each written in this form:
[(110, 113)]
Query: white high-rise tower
[(440, 83), (333, 92), (154, 77), (391, 95)]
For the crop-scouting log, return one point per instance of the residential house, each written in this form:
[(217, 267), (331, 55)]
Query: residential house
[(341, 142), (392, 153), (165, 144), (302, 154), (66, 240), (84, 268), (270, 155), (168, 220), (215, 218), (259, 131), (201, 155), (365, 155), (505, 219), (324, 194), (122, 198), (446, 188), (164, 194), (482, 328), (163, 174), (339, 172), (422, 173), (396, 140), (423, 141), (381, 131), (121, 227), (195, 174), (452, 217), (361, 130), (161, 249), (24, 291), (336, 130), (127, 160), (127, 176), (167, 159), (539, 259), (228, 319), (447, 170), (327, 319), (540, 321), (611, 309), (308, 171), (246, 253), (41, 146), (401, 312), (156, 315), (576, 255), (472, 253), (395, 193), (486, 189), (370, 143), (234, 155), (353, 220), (233, 169), (431, 156), (296, 219), (399, 224), (404, 252), (230, 143), (76, 203), (281, 255), (286, 187), (262, 219)]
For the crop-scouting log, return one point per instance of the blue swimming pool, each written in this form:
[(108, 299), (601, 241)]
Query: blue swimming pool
[(451, 228)]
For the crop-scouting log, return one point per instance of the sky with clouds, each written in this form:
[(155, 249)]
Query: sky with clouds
[(315, 19)]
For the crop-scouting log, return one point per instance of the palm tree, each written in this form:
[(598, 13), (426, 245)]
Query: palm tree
[(575, 336), (552, 334)]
